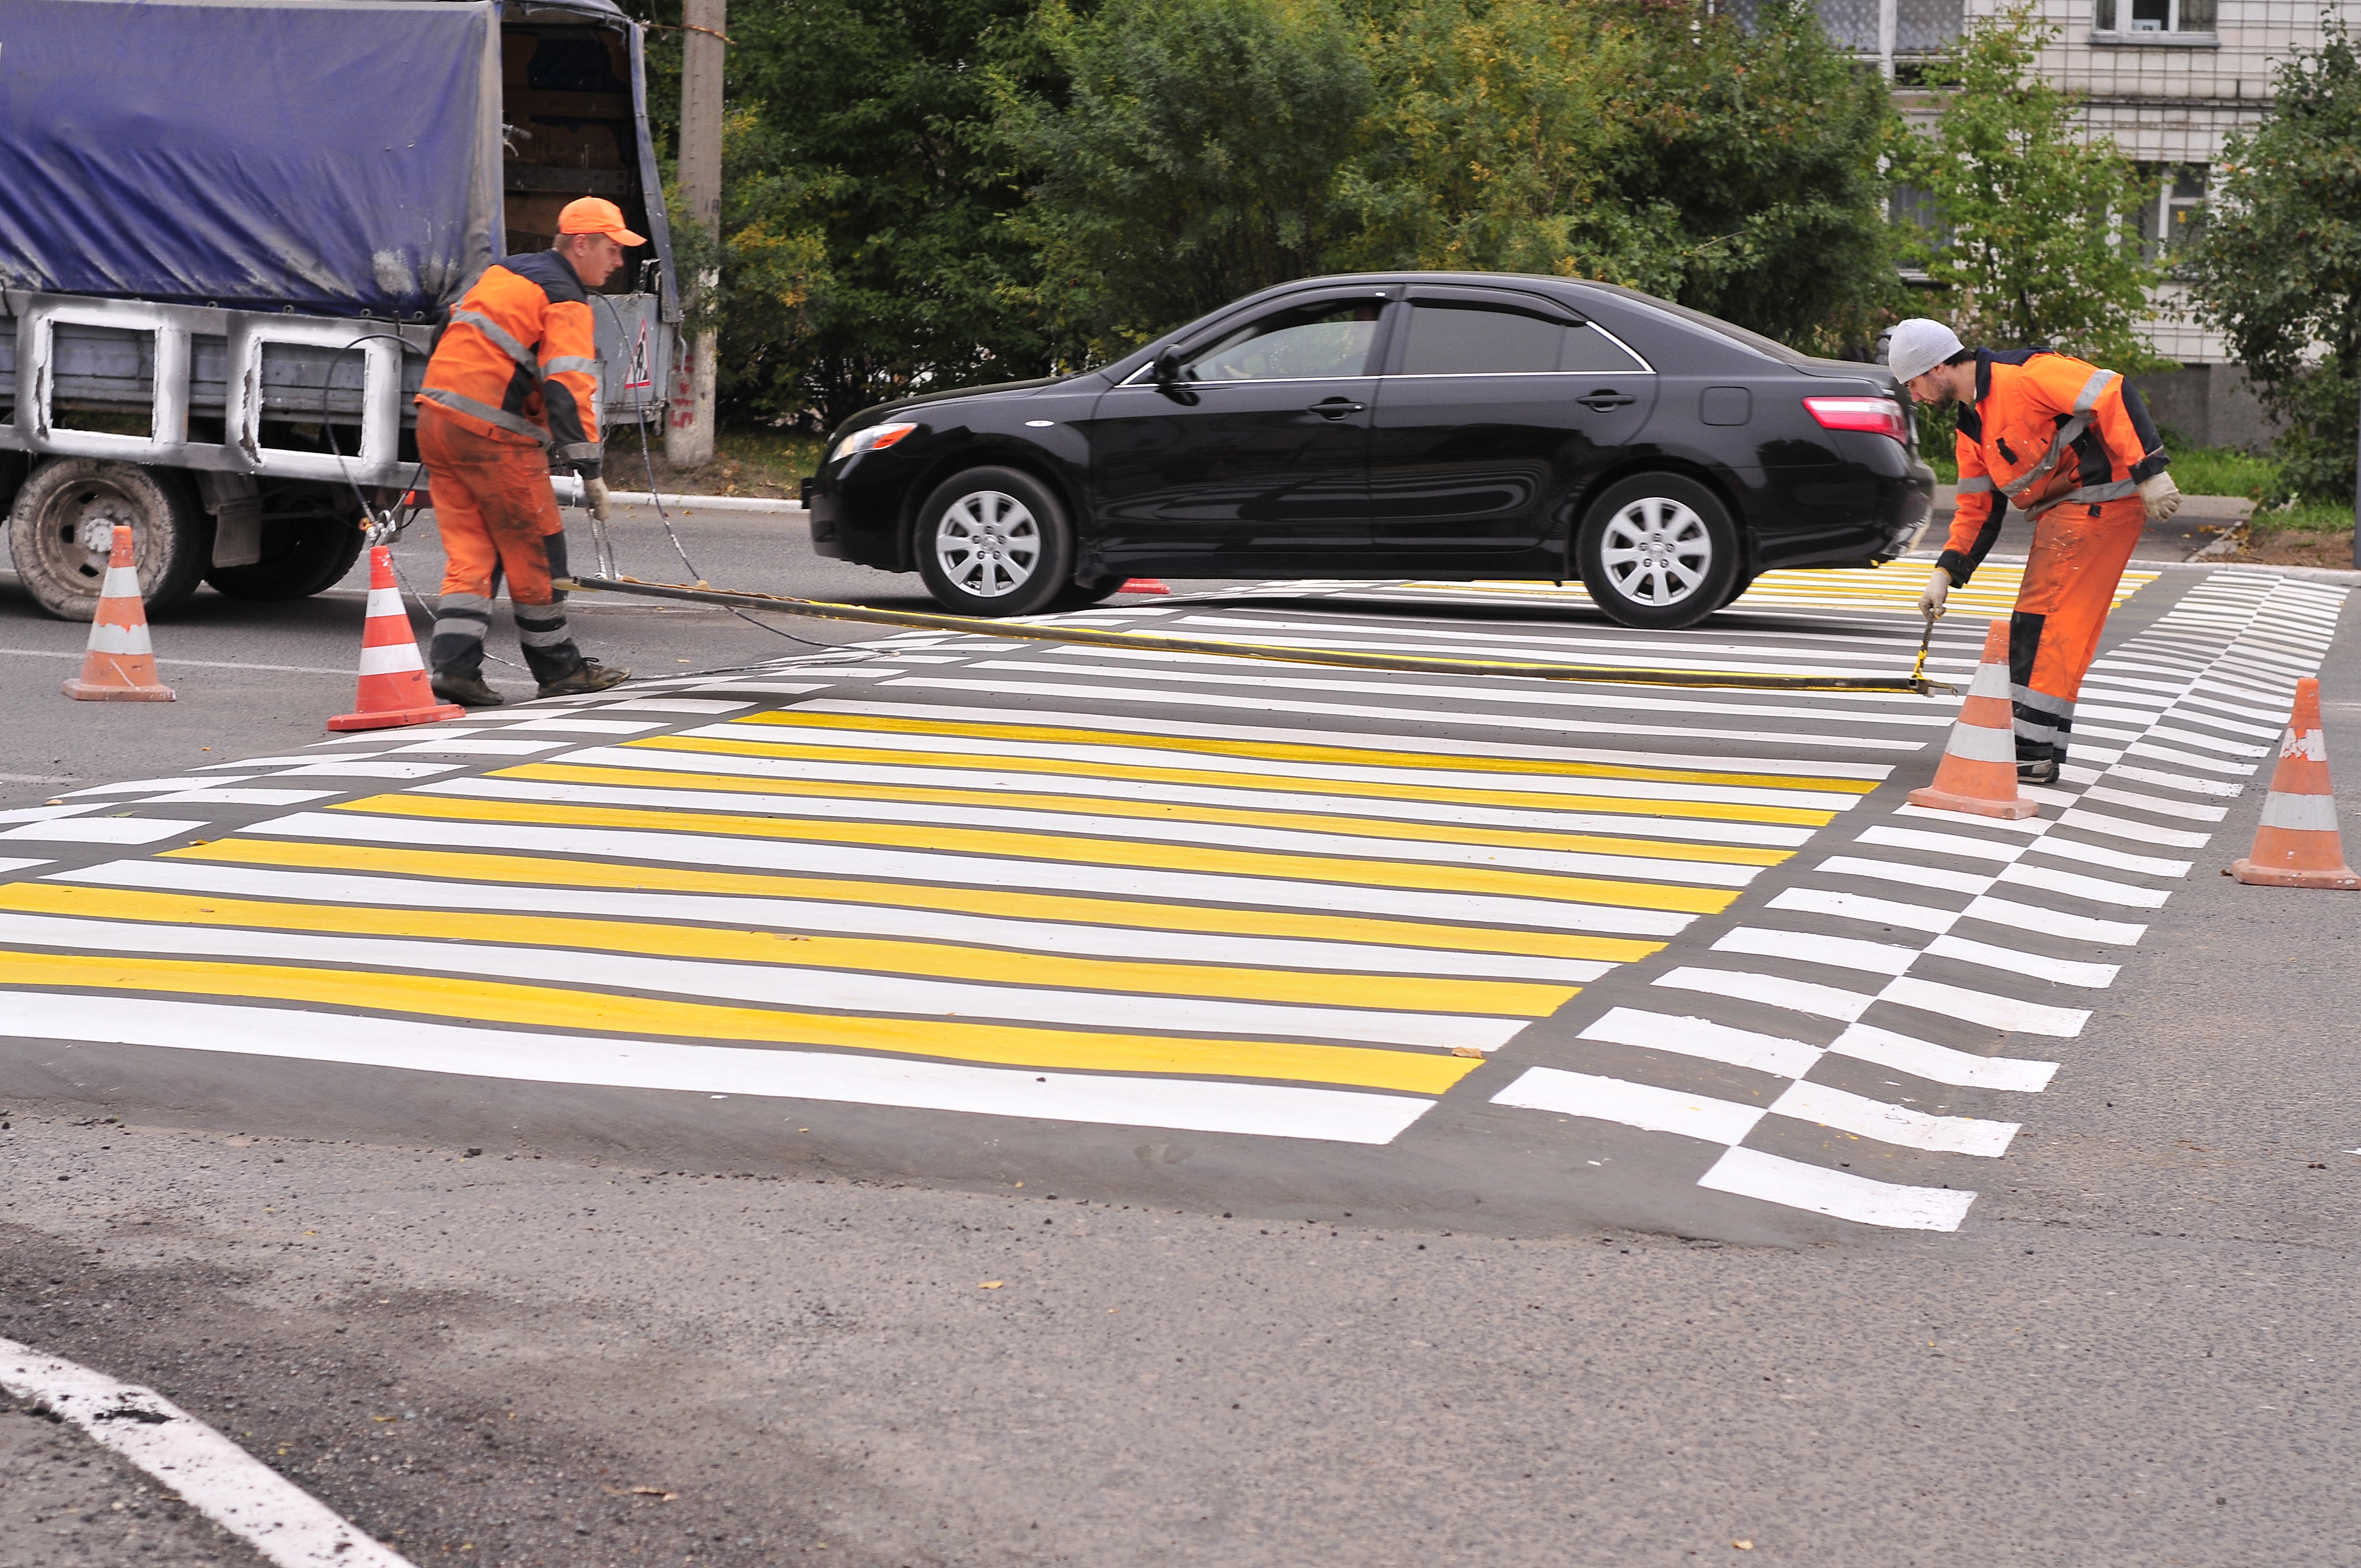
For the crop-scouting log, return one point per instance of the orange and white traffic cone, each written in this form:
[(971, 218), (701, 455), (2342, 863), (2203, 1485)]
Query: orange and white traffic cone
[(1142, 586), (120, 665), (1979, 770), (2298, 846), (394, 688)]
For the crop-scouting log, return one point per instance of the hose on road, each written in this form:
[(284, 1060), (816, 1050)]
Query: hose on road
[(1915, 684)]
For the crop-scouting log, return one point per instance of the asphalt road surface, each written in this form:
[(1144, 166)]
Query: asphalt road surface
[(934, 1099)]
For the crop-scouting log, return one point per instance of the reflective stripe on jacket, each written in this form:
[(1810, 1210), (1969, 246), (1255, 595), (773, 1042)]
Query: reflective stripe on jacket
[(2046, 429), (519, 359)]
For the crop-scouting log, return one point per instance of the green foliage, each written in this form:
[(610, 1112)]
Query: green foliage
[(1192, 156), (2038, 247), (2277, 270)]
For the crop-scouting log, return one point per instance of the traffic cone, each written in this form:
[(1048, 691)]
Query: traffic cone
[(1142, 586), (394, 690), (121, 664), (1979, 770), (2297, 845)]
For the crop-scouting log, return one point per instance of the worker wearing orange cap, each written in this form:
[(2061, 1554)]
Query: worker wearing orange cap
[(513, 382)]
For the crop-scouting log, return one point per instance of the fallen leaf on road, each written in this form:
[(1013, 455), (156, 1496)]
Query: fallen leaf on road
[(639, 1492), (1744, 1545), (988, 1284), (1466, 1051)]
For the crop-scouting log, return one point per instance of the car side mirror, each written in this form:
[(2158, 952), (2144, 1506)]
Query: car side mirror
[(1167, 369)]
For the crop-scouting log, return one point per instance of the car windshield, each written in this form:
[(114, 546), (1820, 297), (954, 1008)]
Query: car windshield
[(1327, 339)]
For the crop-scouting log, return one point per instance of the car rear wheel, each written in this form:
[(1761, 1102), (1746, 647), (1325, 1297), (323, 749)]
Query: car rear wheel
[(994, 542), (1658, 550)]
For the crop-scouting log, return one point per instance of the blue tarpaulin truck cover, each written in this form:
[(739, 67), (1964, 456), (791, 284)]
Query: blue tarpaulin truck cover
[(338, 157)]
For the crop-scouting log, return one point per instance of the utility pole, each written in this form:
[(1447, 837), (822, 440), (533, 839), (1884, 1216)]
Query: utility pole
[(689, 435)]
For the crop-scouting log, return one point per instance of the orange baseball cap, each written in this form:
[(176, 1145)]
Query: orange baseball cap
[(595, 214)]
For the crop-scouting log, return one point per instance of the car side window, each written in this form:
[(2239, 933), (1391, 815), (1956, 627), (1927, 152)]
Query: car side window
[(1326, 339), (1452, 337)]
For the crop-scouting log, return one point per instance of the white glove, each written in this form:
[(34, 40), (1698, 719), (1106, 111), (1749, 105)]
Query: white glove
[(1937, 590), (594, 497), (2160, 495)]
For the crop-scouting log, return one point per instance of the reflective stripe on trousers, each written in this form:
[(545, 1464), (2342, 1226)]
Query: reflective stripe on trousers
[(2078, 558)]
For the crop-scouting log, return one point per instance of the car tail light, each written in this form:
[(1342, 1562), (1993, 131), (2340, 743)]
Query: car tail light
[(1878, 416)]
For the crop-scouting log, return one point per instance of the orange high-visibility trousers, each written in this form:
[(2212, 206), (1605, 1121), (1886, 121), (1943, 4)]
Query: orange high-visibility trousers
[(2078, 558), (498, 517)]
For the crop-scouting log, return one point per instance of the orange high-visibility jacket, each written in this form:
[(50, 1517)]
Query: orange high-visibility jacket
[(519, 359), (2046, 430)]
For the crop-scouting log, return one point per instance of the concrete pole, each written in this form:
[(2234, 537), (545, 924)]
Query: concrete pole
[(2356, 498), (688, 437)]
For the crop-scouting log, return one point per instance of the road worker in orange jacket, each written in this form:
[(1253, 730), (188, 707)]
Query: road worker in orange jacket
[(2072, 446), (513, 381)]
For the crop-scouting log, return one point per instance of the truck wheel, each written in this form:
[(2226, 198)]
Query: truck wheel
[(299, 559), (63, 525), (1658, 550), (993, 542)]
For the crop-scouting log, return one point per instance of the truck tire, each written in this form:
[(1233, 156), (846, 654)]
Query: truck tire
[(61, 528), (299, 559)]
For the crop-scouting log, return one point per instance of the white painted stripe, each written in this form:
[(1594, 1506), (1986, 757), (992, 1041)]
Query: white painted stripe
[(2188, 711), (2055, 923), (1535, 642), (2031, 827), (2220, 788), (2117, 860), (1868, 1118), (774, 985), (1109, 692), (1978, 744), (121, 640), (705, 850), (2099, 890), (1197, 1105), (212, 795), (1982, 1007), (576, 724), (1176, 829), (1417, 747), (1796, 996), (390, 659), (288, 1526), (1750, 1173), (361, 769), (1097, 787), (386, 602), (2300, 813), (712, 706), (2187, 759), (1700, 1038), (1942, 843), (1098, 755), (2059, 971), (1639, 1105), (1111, 941), (18, 863), (103, 830), (1842, 952), (1909, 874), (1856, 906), (1941, 1064), (459, 746), (2138, 832), (141, 785)]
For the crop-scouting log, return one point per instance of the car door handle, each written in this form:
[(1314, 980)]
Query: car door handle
[(1606, 398), (1337, 408)]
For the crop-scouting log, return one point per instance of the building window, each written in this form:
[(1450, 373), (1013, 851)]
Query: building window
[(2175, 209), (2153, 16)]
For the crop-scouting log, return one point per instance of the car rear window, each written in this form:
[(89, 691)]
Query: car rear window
[(1453, 338)]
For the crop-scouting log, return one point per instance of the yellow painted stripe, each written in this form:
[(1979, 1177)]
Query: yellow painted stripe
[(1056, 847), (552, 1007), (934, 959), (1707, 811), (1287, 752), (1154, 810), (534, 871)]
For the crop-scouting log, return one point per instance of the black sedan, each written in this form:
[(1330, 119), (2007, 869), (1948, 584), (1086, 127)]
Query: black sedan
[(1449, 425)]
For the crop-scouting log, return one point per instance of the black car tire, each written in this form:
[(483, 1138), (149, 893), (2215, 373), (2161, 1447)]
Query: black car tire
[(1658, 550), (993, 542), (60, 528), (1084, 592)]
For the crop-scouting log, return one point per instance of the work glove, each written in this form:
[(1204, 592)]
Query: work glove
[(2160, 495), (1937, 590), (593, 499)]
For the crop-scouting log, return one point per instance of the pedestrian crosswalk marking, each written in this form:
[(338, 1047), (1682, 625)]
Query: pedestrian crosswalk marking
[(554, 1007), (1430, 942), (1100, 853), (1893, 587)]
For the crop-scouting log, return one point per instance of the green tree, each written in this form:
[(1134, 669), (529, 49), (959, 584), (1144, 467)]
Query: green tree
[(1189, 151), (2278, 269), (2037, 243)]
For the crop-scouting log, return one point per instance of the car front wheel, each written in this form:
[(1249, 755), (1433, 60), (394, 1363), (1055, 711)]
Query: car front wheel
[(993, 542), (1659, 550)]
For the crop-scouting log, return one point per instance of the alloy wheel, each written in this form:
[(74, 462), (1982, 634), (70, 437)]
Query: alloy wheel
[(1656, 552), (988, 544)]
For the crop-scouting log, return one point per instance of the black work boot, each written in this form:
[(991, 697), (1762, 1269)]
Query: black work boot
[(2043, 771), (589, 675), (468, 691)]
